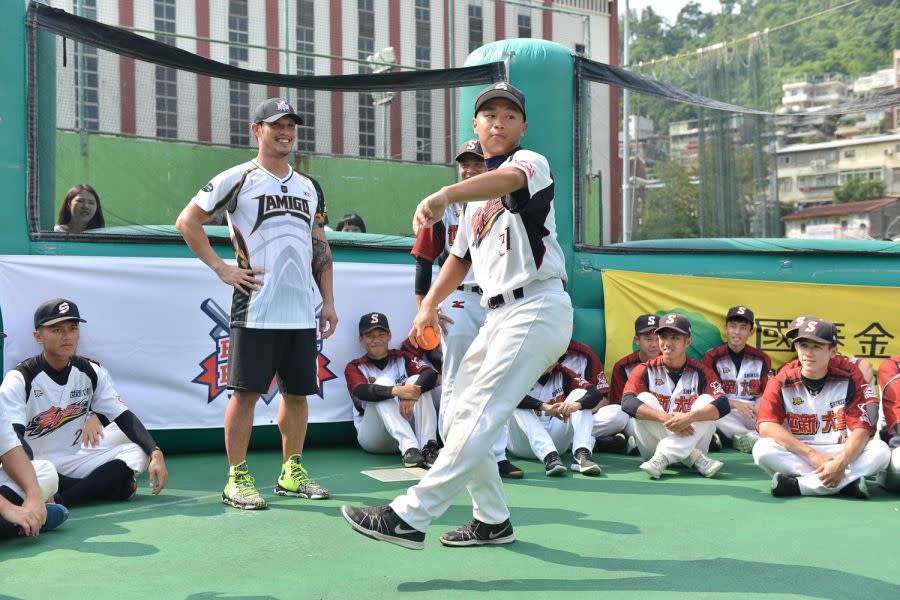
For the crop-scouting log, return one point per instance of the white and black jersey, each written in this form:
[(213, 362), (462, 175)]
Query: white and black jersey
[(53, 405), (511, 241), (271, 222)]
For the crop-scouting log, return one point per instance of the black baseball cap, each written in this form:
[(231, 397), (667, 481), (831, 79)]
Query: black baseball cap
[(501, 90), (675, 322), (740, 313), (273, 109), (645, 323), (470, 147), (55, 311), (795, 325), (819, 331), (372, 321)]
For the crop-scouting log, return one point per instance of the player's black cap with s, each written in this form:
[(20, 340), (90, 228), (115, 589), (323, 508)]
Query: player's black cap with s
[(675, 322), (371, 321), (796, 324), (273, 109), (470, 147), (645, 324), (740, 313), (501, 90), (55, 311), (817, 330)]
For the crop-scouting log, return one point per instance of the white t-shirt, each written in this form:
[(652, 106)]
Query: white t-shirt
[(53, 405), (271, 222), (511, 241)]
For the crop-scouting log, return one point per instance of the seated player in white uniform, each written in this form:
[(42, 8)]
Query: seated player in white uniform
[(48, 397), (25, 486), (647, 348), (391, 392), (743, 371), (675, 402), (816, 433), (889, 377), (434, 358), (553, 417)]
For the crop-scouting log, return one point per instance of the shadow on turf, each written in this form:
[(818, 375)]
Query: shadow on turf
[(220, 596), (720, 575)]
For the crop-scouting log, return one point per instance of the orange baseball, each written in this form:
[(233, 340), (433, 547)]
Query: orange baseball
[(429, 340)]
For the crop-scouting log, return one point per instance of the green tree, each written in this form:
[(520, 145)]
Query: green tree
[(857, 188), (670, 212)]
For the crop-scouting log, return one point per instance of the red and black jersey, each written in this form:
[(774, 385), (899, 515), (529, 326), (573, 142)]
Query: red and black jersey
[(746, 382), (580, 359), (363, 370), (621, 370), (889, 378), (674, 397), (554, 387), (823, 417)]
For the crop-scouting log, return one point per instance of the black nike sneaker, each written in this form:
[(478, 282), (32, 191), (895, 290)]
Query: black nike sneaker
[(382, 523), (476, 533)]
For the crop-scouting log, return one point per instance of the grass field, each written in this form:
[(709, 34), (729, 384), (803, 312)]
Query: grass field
[(621, 535)]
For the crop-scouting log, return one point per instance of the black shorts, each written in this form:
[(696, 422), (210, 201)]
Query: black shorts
[(289, 355)]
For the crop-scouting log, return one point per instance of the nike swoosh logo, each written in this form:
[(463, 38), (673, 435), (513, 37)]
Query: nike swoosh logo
[(493, 536), (400, 530)]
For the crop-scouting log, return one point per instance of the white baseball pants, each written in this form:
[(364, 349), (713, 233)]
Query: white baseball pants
[(47, 479), (383, 430), (775, 458), (610, 420), (734, 424), (517, 343), (889, 478), (531, 436), (652, 436), (114, 445), (468, 316)]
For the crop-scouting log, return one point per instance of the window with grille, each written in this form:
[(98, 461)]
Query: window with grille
[(476, 26), (87, 79), (306, 108), (524, 21), (238, 91), (366, 47), (166, 81), (423, 97)]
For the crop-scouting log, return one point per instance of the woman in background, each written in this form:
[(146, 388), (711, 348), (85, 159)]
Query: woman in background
[(80, 210)]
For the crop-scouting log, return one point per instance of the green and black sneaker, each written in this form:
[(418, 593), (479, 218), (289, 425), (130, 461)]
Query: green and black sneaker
[(295, 481)]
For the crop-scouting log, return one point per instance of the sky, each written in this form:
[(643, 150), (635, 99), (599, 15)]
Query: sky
[(669, 8)]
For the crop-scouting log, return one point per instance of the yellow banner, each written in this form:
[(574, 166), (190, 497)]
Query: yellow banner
[(866, 316)]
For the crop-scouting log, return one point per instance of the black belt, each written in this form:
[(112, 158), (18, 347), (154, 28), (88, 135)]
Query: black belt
[(470, 288), (498, 300)]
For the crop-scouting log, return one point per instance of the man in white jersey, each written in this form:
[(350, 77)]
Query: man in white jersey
[(48, 398), (507, 234), (817, 438), (281, 255), (24, 487), (462, 312), (554, 417), (743, 371), (391, 394), (675, 402)]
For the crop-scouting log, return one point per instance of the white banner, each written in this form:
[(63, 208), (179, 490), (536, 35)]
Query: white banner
[(158, 325)]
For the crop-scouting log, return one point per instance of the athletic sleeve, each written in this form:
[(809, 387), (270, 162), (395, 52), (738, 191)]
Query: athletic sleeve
[(354, 377), (430, 242), (617, 385), (12, 399), (538, 193), (215, 194), (106, 400), (321, 209), (422, 283), (573, 381), (711, 384), (889, 377), (637, 383), (135, 431), (771, 406), (708, 361), (859, 395)]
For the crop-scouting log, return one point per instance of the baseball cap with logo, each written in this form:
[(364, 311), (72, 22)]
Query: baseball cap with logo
[(795, 325), (273, 109), (740, 313), (371, 321), (55, 311), (645, 323), (470, 147), (501, 90), (675, 322), (817, 330)]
